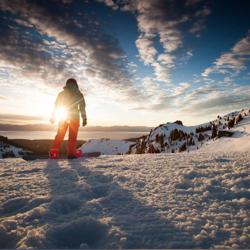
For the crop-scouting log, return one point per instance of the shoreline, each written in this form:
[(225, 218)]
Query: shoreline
[(42, 146), (38, 147), (82, 135)]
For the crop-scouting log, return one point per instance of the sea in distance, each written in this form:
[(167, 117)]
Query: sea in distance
[(82, 135)]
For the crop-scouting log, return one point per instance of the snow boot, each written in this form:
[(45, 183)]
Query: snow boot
[(53, 154), (78, 153)]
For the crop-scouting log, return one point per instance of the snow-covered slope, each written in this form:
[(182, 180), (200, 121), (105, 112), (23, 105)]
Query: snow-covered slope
[(189, 200), (169, 138), (106, 146), (7, 150), (240, 140), (175, 137)]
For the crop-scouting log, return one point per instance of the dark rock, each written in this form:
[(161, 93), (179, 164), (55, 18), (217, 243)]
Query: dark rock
[(224, 133), (179, 122)]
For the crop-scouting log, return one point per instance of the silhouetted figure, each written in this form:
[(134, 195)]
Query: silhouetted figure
[(73, 103)]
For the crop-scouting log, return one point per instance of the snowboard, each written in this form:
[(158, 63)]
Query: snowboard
[(33, 157)]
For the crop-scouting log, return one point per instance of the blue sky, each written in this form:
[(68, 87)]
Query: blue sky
[(140, 62)]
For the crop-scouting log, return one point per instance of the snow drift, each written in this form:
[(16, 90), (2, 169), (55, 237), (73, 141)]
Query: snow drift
[(106, 146)]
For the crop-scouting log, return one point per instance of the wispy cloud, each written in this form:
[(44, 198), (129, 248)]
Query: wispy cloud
[(211, 99), (19, 119), (200, 19), (155, 21), (233, 61), (152, 22), (3, 98)]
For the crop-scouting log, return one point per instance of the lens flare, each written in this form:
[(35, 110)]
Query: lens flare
[(61, 114)]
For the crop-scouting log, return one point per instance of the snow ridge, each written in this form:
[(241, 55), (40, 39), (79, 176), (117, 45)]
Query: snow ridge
[(175, 137)]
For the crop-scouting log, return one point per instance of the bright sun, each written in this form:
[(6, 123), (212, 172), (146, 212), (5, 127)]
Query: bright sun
[(61, 114)]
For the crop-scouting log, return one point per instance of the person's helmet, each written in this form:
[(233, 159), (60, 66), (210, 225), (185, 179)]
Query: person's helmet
[(71, 83)]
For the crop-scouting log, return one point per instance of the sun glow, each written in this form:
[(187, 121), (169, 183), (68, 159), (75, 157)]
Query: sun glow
[(61, 114)]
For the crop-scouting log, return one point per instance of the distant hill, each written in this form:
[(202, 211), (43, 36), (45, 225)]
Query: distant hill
[(175, 137), (48, 127)]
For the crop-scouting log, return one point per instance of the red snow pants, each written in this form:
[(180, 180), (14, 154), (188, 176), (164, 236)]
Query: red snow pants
[(73, 126)]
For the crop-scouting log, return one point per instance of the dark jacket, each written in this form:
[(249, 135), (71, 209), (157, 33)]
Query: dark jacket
[(73, 101)]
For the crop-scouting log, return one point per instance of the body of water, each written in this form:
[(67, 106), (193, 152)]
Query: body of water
[(116, 135)]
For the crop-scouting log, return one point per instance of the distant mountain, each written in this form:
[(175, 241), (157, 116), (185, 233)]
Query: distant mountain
[(26, 127), (48, 127), (175, 137)]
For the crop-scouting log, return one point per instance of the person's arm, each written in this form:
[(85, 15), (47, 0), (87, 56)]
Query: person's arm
[(57, 103), (82, 110)]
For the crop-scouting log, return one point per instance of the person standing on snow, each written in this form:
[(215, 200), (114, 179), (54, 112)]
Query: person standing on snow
[(72, 100)]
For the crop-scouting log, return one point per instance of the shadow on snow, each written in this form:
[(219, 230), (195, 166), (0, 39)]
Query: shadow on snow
[(90, 210)]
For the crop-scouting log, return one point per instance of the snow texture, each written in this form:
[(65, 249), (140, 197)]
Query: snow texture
[(187, 200)]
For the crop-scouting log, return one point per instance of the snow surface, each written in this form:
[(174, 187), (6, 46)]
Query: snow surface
[(106, 146), (182, 200)]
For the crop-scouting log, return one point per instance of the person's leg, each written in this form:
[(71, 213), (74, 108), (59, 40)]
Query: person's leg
[(73, 131), (62, 128)]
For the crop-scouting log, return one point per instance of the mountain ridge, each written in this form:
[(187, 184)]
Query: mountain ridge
[(175, 137)]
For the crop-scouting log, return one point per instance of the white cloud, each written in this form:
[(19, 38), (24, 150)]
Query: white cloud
[(166, 59), (151, 23), (205, 11), (213, 99), (199, 23), (146, 49), (152, 20), (182, 88), (232, 61), (162, 73)]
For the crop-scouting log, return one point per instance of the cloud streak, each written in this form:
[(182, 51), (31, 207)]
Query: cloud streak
[(200, 19), (152, 22), (15, 118), (233, 61), (155, 22), (211, 99)]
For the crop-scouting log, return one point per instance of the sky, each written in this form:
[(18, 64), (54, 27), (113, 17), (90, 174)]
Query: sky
[(140, 62)]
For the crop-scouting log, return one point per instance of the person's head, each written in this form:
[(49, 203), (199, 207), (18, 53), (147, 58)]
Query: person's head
[(71, 84)]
